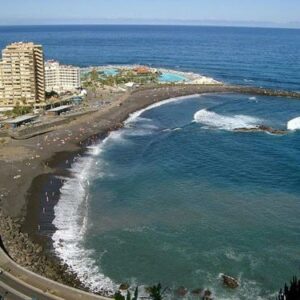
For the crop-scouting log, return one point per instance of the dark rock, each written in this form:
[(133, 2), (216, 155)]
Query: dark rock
[(39, 249), (32, 256), (197, 292), (124, 286), (207, 295), (182, 291), (230, 282), (261, 128)]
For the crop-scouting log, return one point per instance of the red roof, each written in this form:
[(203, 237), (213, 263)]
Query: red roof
[(142, 70)]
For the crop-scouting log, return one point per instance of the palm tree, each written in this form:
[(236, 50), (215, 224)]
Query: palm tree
[(291, 292)]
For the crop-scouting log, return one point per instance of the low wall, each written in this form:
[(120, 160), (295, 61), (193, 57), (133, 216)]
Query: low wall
[(19, 280)]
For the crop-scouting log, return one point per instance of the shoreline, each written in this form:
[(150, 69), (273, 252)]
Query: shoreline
[(24, 204), (23, 207)]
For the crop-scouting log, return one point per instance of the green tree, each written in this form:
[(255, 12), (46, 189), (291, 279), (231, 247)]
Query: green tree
[(119, 296), (291, 292), (94, 75), (136, 292), (156, 292), (128, 296)]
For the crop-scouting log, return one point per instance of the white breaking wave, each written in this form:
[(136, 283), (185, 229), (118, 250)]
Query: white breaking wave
[(252, 98), (134, 117), (71, 219), (139, 132), (294, 124), (214, 120), (141, 129)]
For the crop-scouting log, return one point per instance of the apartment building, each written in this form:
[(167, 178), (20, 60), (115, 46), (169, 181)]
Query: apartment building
[(61, 78), (22, 75)]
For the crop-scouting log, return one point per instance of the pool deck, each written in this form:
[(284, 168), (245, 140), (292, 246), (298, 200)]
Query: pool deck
[(188, 77)]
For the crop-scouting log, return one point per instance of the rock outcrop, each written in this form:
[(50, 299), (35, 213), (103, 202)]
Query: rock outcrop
[(262, 128), (230, 282), (124, 287), (207, 295), (197, 292), (181, 291), (32, 256)]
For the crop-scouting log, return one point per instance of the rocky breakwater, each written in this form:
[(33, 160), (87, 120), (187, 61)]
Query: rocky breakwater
[(31, 255), (262, 128)]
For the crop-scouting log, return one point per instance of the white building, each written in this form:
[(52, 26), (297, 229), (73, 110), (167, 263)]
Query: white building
[(61, 78)]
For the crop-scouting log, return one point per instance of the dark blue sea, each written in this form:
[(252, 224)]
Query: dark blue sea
[(262, 57), (178, 196)]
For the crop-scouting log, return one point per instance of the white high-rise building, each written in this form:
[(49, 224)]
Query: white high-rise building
[(61, 78)]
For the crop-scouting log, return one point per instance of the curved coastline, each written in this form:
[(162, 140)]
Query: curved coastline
[(72, 209), (109, 120), (97, 281), (24, 206)]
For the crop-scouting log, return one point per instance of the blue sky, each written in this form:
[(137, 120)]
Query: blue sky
[(285, 13)]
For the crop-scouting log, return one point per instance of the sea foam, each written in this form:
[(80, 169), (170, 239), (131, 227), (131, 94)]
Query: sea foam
[(213, 120), (294, 124), (71, 219), (252, 98), (134, 117)]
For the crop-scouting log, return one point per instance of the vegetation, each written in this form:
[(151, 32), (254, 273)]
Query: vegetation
[(119, 296), (136, 294), (51, 94), (96, 79), (19, 111), (156, 292), (94, 75), (291, 292)]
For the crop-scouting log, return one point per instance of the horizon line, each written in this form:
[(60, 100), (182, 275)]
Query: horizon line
[(270, 26), (292, 24)]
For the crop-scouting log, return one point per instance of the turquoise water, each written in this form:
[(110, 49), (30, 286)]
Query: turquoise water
[(179, 197), (171, 77), (110, 72)]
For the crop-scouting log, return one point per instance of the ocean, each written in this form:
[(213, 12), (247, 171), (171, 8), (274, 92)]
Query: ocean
[(178, 196), (252, 56)]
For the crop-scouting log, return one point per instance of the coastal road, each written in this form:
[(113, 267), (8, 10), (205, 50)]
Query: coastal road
[(18, 283), (15, 289), (7, 292)]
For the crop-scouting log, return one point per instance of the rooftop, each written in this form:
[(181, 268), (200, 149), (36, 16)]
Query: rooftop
[(21, 119), (55, 63), (59, 108), (22, 45)]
